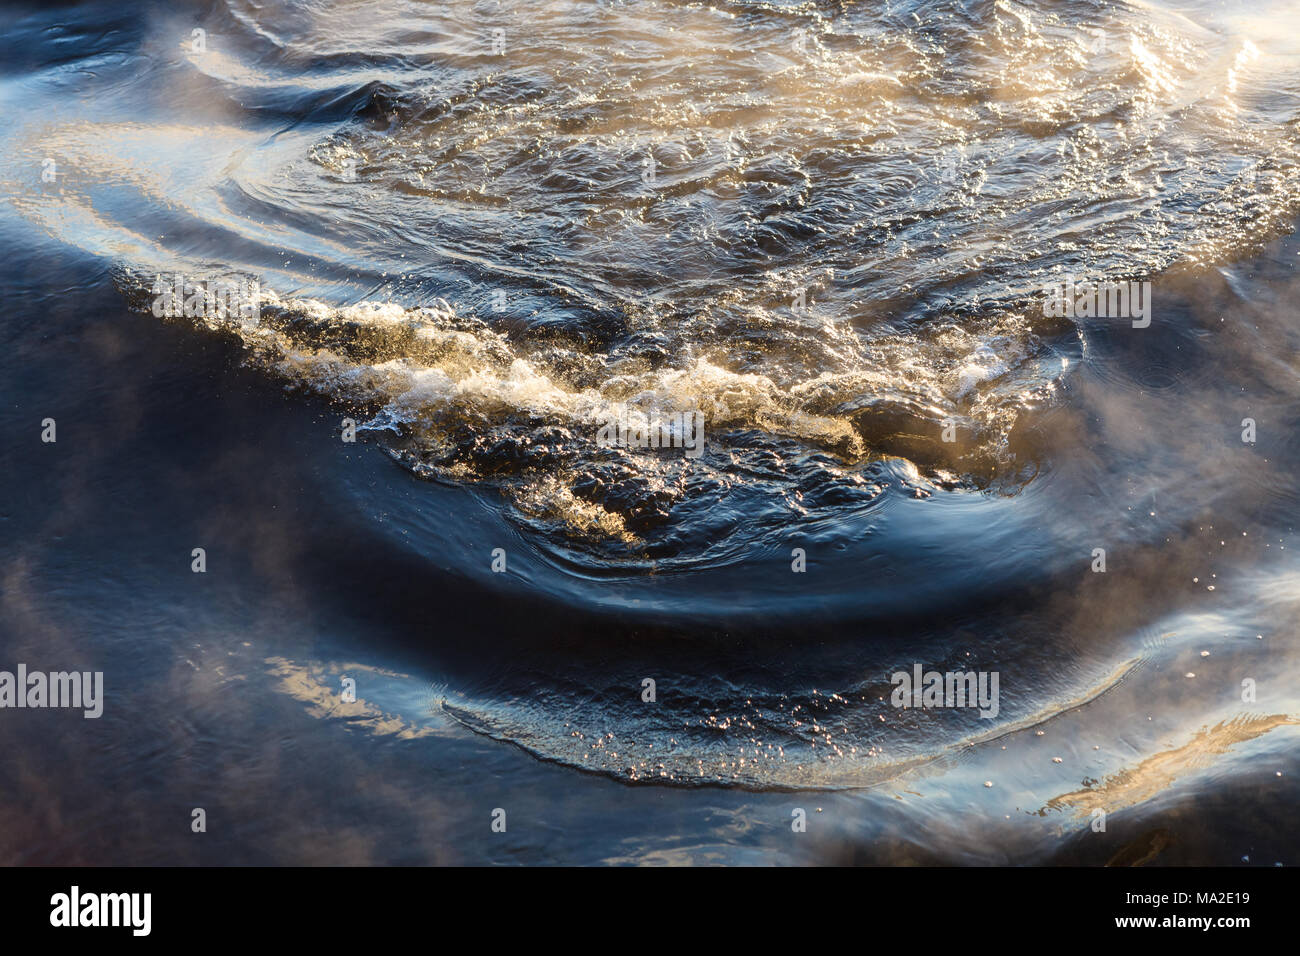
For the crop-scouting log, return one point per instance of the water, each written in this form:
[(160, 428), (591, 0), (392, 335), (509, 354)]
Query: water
[(826, 229)]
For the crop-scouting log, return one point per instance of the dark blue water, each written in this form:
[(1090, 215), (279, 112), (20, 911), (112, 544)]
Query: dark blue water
[(825, 230)]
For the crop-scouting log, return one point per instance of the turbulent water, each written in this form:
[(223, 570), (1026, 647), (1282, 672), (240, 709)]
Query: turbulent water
[(480, 230)]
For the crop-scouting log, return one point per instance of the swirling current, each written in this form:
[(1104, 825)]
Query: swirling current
[(820, 241)]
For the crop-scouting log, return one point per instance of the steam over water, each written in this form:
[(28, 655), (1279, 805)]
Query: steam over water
[(482, 230)]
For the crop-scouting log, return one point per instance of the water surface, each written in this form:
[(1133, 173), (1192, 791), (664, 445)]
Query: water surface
[(478, 230)]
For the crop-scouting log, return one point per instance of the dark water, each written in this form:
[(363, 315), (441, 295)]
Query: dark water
[(477, 245)]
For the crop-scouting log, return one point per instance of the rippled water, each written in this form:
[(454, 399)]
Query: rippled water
[(480, 230)]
